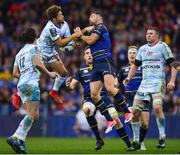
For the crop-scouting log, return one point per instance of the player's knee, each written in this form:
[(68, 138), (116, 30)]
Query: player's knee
[(110, 89), (87, 112), (63, 73), (95, 97), (144, 125), (89, 109), (157, 109), (34, 115)]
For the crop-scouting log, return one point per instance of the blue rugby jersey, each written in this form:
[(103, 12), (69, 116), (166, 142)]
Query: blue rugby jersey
[(101, 49), (134, 83), (83, 75)]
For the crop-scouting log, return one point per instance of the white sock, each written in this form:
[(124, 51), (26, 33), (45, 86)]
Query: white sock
[(136, 130), (23, 128), (161, 127), (58, 82)]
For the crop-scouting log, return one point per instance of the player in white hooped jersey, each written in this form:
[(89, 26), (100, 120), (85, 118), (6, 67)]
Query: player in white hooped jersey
[(153, 57), (27, 65), (55, 33)]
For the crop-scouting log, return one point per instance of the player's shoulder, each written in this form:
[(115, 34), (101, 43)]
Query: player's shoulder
[(162, 44), (34, 49), (101, 27), (65, 24), (50, 25), (125, 67), (143, 48), (83, 67)]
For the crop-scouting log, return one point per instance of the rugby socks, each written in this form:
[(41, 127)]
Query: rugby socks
[(58, 82), (143, 133), (136, 129), (161, 127), (119, 101), (93, 124), (122, 133), (23, 128), (103, 110)]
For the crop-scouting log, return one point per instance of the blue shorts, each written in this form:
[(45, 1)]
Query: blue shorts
[(101, 68), (29, 92)]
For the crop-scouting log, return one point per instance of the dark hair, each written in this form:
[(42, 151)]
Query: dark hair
[(98, 12), (28, 35), (155, 29), (52, 11), (86, 47)]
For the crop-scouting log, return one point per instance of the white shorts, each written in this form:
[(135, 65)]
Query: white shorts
[(147, 96), (50, 57), (28, 92)]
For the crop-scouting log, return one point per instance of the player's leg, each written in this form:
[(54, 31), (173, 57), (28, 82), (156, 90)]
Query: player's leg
[(95, 88), (59, 67), (120, 129), (90, 110), (138, 106), (31, 100), (144, 127), (160, 118), (109, 81)]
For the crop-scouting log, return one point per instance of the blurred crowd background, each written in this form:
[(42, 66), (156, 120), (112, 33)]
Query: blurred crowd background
[(127, 21)]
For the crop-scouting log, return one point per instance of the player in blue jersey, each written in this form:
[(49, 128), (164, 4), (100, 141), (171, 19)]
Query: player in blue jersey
[(130, 91), (83, 76), (27, 65), (55, 33), (153, 57), (103, 68)]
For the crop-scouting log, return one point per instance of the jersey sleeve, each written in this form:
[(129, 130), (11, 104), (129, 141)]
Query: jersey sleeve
[(67, 32), (35, 51), (167, 53), (54, 35), (138, 60), (120, 76), (77, 75), (99, 30)]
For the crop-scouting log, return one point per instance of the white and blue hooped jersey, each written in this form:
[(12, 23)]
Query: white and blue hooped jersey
[(29, 74), (153, 60), (50, 33)]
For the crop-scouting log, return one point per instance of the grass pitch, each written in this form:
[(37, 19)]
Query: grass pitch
[(86, 146)]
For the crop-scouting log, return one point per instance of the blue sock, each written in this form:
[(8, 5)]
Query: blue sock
[(103, 109), (93, 124), (143, 133), (119, 101), (122, 133)]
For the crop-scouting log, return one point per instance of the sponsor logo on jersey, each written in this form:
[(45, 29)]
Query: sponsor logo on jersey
[(148, 53), (151, 67), (85, 71)]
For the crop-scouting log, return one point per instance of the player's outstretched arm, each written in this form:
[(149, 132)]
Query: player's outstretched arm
[(71, 83), (63, 42), (88, 29), (40, 66), (130, 74)]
